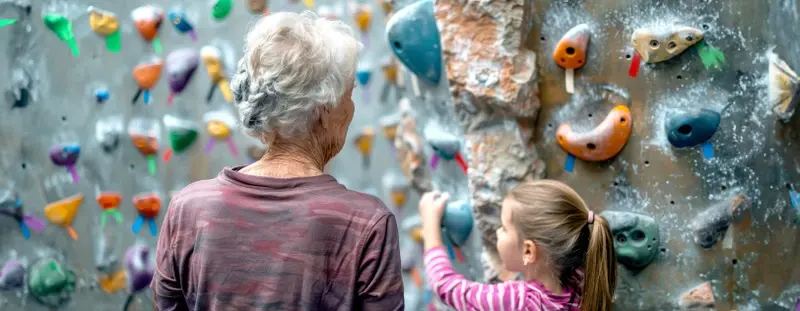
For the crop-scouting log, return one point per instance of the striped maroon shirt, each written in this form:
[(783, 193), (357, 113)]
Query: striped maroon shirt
[(243, 242)]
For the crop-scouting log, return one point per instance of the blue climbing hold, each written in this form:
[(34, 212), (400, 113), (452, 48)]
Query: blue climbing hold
[(457, 222), (363, 77), (445, 144), (178, 19), (101, 95), (414, 38), (692, 128)]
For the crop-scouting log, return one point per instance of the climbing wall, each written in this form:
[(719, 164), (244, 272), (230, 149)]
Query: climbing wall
[(673, 119), (84, 102)]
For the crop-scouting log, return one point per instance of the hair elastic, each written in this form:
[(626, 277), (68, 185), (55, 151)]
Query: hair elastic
[(590, 220)]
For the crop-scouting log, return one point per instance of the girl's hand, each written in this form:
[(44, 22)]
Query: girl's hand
[(431, 208)]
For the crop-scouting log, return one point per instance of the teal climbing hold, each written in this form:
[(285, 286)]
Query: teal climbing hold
[(457, 222), (692, 128), (414, 38)]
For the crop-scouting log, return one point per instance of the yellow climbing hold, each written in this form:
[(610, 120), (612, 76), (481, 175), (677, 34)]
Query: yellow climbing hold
[(309, 3), (218, 129), (363, 17), (103, 22), (399, 198), (113, 282), (63, 212)]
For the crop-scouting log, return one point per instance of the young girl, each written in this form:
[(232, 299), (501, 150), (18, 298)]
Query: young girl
[(549, 236)]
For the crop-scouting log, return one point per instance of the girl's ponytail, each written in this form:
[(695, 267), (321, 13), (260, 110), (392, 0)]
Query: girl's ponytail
[(600, 278)]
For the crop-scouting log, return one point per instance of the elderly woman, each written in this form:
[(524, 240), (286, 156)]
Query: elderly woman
[(280, 234)]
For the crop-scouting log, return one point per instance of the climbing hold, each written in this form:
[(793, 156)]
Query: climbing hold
[(660, 44), (386, 5), (414, 38), (363, 142), (397, 186), (603, 142), (783, 88), (145, 136), (221, 9), (212, 58), (50, 283), (139, 264), (328, 13), (363, 75), (106, 24), (180, 21), (411, 155), (255, 153), (457, 222), (309, 3), (701, 297), (148, 21), (180, 66), (363, 19), (710, 226), (445, 146), (11, 206), (7, 22), (692, 128), (105, 241), (109, 201), (147, 75), (219, 124), (107, 132), (13, 275), (113, 282), (62, 27), (182, 134), (101, 95), (62, 213), (66, 155), (636, 238), (148, 205), (413, 225), (389, 126), (570, 52), (257, 6)]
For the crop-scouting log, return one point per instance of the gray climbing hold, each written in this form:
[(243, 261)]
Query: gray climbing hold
[(709, 227), (636, 238), (12, 276)]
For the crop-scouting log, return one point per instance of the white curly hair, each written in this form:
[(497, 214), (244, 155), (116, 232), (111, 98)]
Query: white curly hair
[(293, 65)]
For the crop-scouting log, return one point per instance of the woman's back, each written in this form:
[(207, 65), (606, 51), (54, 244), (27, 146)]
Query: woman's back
[(243, 242)]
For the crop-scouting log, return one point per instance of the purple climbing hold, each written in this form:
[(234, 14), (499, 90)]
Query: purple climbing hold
[(139, 267), (65, 154), (180, 65), (13, 275)]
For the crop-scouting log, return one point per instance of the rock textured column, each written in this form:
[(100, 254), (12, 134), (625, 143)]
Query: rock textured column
[(493, 83)]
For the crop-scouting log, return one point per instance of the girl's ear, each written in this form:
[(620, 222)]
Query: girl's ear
[(528, 252)]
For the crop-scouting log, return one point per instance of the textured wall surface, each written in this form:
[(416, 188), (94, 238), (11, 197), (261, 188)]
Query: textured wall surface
[(62, 108)]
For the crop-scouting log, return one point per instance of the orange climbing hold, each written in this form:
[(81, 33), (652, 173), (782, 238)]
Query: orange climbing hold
[(601, 143), (148, 205), (113, 282), (108, 200), (62, 213), (148, 20), (147, 74), (571, 50), (147, 145)]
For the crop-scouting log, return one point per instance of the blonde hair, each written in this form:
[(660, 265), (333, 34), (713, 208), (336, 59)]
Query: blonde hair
[(555, 218)]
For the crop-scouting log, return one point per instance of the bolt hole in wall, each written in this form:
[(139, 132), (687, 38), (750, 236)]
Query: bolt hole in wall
[(64, 118), (24, 166)]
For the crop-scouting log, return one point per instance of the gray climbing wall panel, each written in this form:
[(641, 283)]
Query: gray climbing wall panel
[(62, 108)]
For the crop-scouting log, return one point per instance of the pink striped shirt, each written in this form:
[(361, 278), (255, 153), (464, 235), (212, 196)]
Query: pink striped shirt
[(462, 294)]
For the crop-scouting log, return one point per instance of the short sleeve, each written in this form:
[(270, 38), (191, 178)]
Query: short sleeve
[(380, 283)]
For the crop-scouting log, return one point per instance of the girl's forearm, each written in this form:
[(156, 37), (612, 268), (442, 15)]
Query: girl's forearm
[(432, 236)]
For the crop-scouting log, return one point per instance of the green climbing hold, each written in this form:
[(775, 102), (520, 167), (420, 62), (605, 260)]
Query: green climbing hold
[(182, 139), (636, 238), (221, 9), (710, 56), (7, 22), (62, 27), (50, 283)]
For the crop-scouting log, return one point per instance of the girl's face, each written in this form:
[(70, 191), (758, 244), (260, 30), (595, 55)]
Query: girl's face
[(508, 243)]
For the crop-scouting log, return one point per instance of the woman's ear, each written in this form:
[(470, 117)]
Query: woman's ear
[(528, 252)]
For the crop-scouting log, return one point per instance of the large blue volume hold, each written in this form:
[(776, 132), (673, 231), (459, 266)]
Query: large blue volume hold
[(414, 37), (457, 222), (692, 128)]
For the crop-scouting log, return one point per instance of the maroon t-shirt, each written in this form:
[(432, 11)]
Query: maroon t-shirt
[(243, 242)]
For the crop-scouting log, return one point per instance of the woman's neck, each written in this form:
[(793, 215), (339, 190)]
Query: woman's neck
[(285, 165)]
